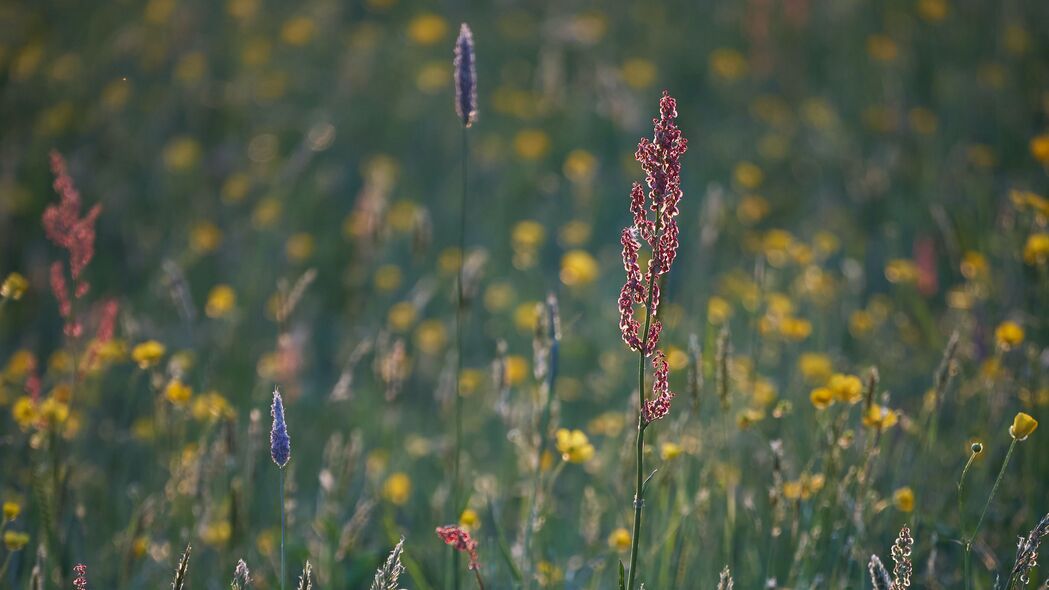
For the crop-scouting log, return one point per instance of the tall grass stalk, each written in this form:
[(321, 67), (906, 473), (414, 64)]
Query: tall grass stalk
[(994, 490), (283, 523)]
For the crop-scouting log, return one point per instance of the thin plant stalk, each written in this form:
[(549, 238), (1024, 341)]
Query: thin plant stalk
[(639, 500), (544, 426), (282, 525), (460, 308), (994, 490)]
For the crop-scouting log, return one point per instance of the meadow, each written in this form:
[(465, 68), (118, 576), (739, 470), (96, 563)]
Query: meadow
[(573, 295)]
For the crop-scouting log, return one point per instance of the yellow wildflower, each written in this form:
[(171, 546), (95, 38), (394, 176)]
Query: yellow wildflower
[(669, 451), (1040, 148), (148, 354), (1008, 335), (221, 301), (54, 411), (14, 286), (619, 540), (574, 446), (528, 234), (1036, 249), (25, 412), (531, 144), (15, 541), (718, 310), (815, 367), (1023, 426), (728, 63), (822, 398), (846, 388), (12, 510), (880, 417), (469, 519), (427, 29), (216, 533), (177, 392), (903, 499), (397, 488), (431, 337), (578, 268)]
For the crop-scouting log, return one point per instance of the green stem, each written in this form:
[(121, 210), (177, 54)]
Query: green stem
[(282, 525), (639, 500), (994, 490), (460, 305)]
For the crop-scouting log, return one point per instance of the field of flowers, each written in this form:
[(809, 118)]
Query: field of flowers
[(580, 295)]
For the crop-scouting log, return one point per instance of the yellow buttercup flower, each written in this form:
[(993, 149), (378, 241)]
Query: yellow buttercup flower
[(177, 392), (903, 499), (431, 337), (531, 144), (578, 268), (669, 451), (221, 301), (148, 353), (25, 412), (1036, 249), (12, 510), (469, 519), (718, 310), (880, 417), (728, 64), (1023, 426), (822, 398), (14, 286), (846, 388), (15, 541), (815, 367), (216, 533), (299, 247), (1040, 148), (574, 445), (528, 234), (619, 539), (639, 73), (427, 29), (54, 411), (1008, 335), (397, 488)]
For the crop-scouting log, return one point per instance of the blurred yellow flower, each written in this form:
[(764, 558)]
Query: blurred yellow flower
[(580, 166), (1036, 249), (639, 73), (516, 369), (401, 316), (25, 412), (242, 9), (298, 30), (748, 175), (469, 519), (19, 364), (470, 380), (148, 353), (299, 247), (433, 76), (528, 234), (427, 29), (880, 417), (718, 310), (177, 392), (181, 154), (1040, 148), (903, 499), (619, 540), (1008, 335), (266, 213), (752, 209), (531, 144), (822, 398), (974, 265), (499, 296), (431, 337), (669, 451), (216, 533), (205, 237), (221, 301), (728, 64), (236, 187), (12, 510), (792, 490), (815, 367), (796, 329), (748, 417), (15, 541), (578, 268), (1022, 427), (901, 270), (211, 406), (14, 286), (574, 445), (388, 277), (397, 488), (882, 48), (575, 233), (54, 411), (932, 10), (846, 388)]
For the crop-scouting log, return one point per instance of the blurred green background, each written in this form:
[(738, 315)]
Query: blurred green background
[(862, 180)]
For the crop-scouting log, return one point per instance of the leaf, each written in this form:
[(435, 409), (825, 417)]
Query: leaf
[(622, 576)]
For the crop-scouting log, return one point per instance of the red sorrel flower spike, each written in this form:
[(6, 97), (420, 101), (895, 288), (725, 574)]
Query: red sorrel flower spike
[(660, 158), (80, 581), (461, 541), (659, 406), (63, 224)]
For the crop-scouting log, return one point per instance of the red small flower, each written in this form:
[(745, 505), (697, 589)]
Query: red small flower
[(80, 581), (461, 541)]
